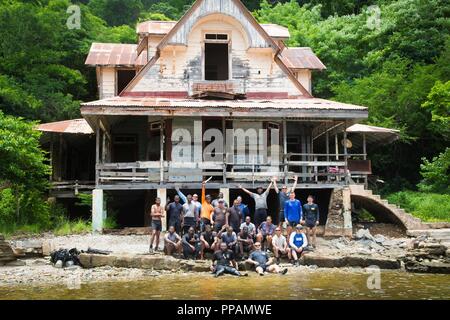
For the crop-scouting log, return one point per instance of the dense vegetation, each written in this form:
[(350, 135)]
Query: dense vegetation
[(393, 58)]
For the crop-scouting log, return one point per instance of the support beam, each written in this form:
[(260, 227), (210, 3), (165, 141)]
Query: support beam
[(347, 206), (162, 194), (98, 212), (161, 153), (285, 167), (97, 155), (226, 195)]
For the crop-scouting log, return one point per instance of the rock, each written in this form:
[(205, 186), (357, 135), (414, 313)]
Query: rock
[(16, 263), (376, 246), (380, 239), (364, 234), (447, 253), (6, 252)]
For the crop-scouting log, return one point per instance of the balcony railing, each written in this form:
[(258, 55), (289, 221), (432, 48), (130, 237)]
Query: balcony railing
[(310, 168)]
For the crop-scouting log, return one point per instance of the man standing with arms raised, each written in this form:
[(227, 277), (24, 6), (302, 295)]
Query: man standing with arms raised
[(260, 198), (283, 196)]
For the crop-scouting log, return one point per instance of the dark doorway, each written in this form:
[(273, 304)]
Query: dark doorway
[(123, 78), (125, 148), (216, 61)]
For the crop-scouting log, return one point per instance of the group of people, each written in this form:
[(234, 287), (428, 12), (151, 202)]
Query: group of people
[(228, 232)]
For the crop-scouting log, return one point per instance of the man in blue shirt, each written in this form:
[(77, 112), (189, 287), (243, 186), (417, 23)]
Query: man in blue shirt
[(260, 259), (298, 242), (292, 212)]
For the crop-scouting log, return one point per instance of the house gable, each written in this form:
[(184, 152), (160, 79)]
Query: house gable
[(177, 68)]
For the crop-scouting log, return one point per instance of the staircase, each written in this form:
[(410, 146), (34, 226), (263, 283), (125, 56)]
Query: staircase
[(383, 209)]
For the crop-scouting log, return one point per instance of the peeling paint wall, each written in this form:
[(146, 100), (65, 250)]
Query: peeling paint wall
[(253, 68)]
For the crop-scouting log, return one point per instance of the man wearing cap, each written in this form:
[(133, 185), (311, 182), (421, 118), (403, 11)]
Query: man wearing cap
[(260, 198), (283, 196), (218, 216), (297, 242), (215, 202)]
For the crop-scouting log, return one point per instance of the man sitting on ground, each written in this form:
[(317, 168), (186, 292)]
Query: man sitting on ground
[(172, 242), (245, 240), (297, 242), (265, 233), (224, 262), (279, 245), (191, 244), (208, 241), (262, 262)]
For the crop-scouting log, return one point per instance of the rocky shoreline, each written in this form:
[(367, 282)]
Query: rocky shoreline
[(27, 261)]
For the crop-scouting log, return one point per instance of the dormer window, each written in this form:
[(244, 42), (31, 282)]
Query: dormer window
[(216, 56), (216, 36)]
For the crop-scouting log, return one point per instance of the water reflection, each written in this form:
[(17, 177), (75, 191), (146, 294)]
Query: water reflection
[(301, 284)]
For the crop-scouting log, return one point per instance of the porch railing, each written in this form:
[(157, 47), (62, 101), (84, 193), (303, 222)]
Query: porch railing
[(310, 168)]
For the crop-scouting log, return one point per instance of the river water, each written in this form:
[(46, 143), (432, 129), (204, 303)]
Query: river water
[(299, 284)]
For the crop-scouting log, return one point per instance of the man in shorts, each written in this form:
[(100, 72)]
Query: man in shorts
[(311, 216), (280, 245), (298, 242), (262, 262), (172, 242), (292, 212), (157, 212)]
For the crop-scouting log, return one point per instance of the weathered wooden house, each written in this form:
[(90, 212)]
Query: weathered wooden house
[(218, 70)]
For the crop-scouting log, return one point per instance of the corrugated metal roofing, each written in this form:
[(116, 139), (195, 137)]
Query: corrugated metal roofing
[(372, 129), (76, 126), (307, 103), (114, 54), (163, 27), (301, 58)]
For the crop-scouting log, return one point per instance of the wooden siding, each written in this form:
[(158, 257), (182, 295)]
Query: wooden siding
[(179, 67)]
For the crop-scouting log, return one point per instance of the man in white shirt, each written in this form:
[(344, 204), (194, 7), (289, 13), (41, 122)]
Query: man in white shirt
[(279, 245), (298, 242)]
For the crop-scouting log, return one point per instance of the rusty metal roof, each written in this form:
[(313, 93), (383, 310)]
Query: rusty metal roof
[(114, 54), (161, 28), (75, 126), (306, 103), (301, 58)]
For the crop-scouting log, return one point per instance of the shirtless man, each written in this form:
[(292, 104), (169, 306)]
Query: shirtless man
[(157, 212)]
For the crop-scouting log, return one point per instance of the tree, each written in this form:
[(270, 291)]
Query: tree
[(436, 174), (23, 173), (117, 12), (438, 103)]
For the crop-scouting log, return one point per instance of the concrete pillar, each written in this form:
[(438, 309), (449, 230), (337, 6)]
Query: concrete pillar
[(226, 195), (98, 213), (162, 194), (347, 206)]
